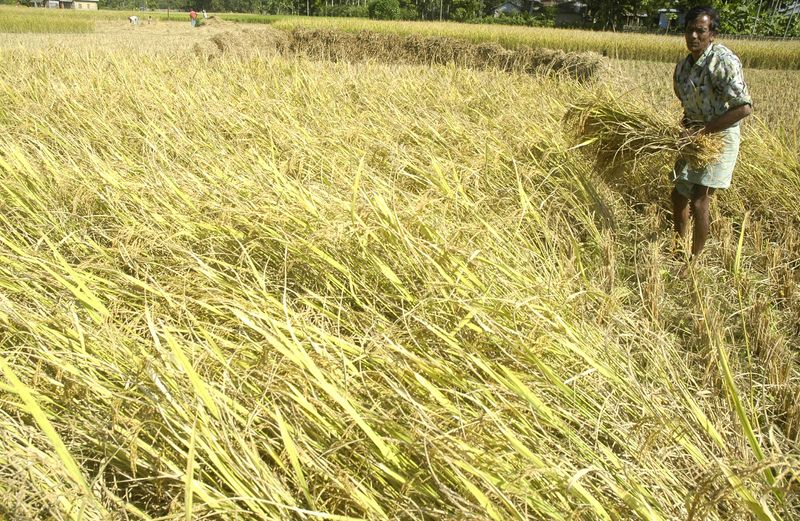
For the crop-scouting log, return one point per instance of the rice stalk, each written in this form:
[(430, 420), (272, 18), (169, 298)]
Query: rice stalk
[(619, 131)]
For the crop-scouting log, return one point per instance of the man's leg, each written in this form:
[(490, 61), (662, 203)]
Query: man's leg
[(701, 211), (680, 212)]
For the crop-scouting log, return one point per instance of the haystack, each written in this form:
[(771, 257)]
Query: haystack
[(368, 45), (243, 43)]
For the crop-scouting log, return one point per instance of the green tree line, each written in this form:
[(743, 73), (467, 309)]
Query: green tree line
[(737, 17)]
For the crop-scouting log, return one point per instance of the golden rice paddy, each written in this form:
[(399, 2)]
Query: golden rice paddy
[(266, 285)]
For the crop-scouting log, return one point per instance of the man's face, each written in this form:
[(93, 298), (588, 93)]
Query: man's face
[(699, 35)]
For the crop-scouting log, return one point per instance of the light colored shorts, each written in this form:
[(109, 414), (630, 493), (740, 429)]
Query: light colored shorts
[(715, 175)]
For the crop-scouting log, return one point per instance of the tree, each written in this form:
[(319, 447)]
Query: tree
[(610, 14), (736, 17), (466, 9), (384, 9)]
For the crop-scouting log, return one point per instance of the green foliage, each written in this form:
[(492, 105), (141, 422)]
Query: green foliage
[(745, 18), (384, 9), (407, 13), (516, 19), (736, 18), (543, 18), (462, 10), (742, 17), (612, 14), (354, 11)]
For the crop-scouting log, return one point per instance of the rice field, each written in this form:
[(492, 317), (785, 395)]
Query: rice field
[(257, 284), (17, 19), (24, 20), (773, 54), (762, 54)]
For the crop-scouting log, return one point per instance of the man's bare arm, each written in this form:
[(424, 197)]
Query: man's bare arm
[(728, 119)]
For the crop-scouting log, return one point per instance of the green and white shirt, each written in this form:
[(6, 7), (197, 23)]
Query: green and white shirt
[(710, 86)]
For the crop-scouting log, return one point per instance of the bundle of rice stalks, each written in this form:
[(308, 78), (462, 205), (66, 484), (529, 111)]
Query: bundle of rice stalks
[(620, 131), (582, 66), (414, 48), (243, 43)]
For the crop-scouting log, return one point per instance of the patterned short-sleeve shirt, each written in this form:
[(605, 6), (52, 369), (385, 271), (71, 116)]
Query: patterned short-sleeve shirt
[(710, 86)]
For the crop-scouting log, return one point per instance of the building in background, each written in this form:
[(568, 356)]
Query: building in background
[(669, 19), (84, 4), (514, 7), (791, 9), (68, 4)]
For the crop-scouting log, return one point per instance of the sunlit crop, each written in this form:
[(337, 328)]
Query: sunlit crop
[(257, 285), (26, 20)]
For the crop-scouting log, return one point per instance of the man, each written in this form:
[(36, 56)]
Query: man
[(710, 84), (193, 17)]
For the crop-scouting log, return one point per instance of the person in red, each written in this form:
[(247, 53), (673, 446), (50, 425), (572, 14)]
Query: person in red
[(193, 17)]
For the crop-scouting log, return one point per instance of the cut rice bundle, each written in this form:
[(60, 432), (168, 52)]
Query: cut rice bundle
[(620, 131)]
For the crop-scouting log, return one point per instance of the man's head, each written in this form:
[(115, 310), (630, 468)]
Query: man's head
[(701, 28)]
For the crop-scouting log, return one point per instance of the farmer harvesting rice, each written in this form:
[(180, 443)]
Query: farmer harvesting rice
[(710, 85)]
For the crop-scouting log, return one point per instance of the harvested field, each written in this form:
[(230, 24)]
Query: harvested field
[(241, 281)]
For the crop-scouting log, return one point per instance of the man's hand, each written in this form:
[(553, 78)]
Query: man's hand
[(687, 132), (689, 128)]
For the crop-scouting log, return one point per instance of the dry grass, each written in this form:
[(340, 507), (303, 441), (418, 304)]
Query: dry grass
[(335, 290), (387, 48)]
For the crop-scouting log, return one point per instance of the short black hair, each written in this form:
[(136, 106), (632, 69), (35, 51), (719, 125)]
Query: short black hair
[(695, 12)]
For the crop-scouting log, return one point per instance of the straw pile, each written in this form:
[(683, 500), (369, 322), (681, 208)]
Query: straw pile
[(243, 43), (365, 45), (620, 131)]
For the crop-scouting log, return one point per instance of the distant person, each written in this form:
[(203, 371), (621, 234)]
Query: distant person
[(193, 17), (205, 15), (149, 19), (710, 85), (134, 20)]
